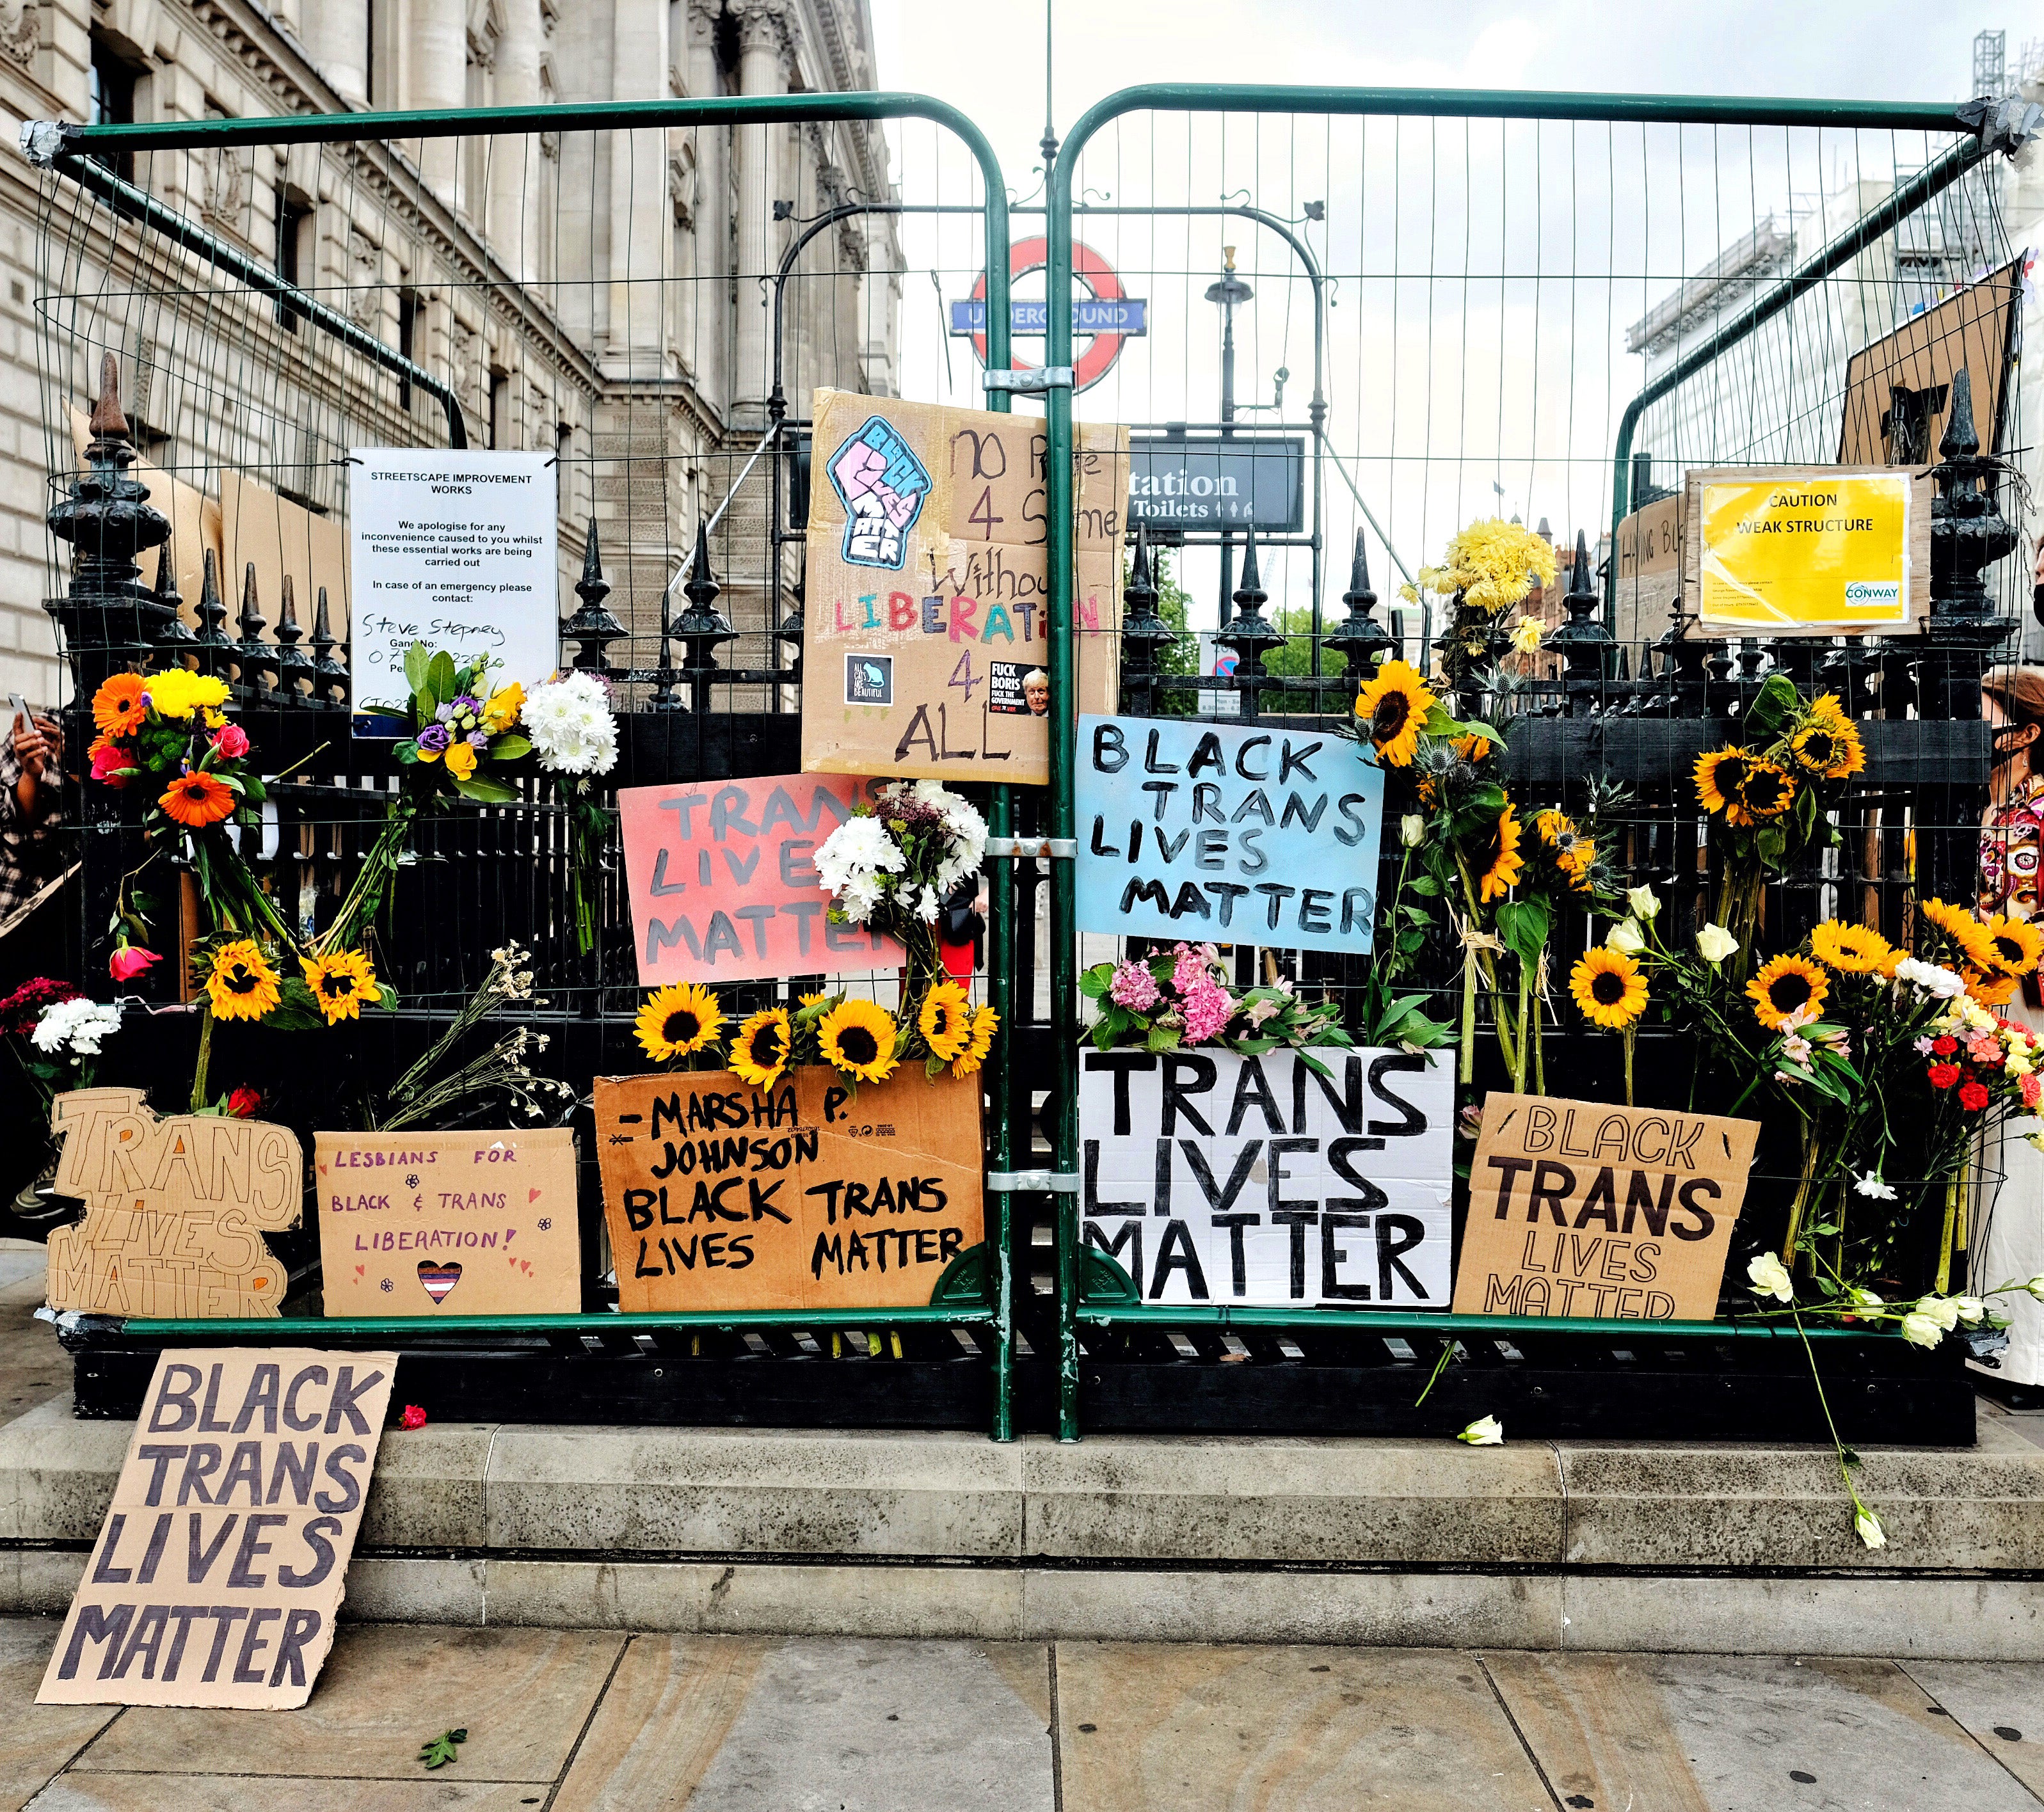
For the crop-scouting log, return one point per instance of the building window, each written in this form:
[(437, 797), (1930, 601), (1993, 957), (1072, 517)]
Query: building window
[(408, 332), (110, 102), (293, 230), (500, 410)]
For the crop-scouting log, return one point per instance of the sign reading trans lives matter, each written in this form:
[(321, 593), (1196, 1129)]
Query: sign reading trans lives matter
[(927, 647), (1212, 1177), (1253, 836), (456, 550)]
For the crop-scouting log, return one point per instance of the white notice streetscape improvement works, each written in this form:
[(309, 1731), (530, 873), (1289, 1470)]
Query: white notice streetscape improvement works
[(456, 550)]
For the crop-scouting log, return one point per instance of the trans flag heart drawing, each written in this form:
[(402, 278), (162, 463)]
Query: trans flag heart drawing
[(438, 1278)]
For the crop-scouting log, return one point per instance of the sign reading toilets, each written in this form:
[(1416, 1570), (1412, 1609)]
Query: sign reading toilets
[(1243, 836), (1213, 1177), (216, 1578), (724, 883), (437, 1223)]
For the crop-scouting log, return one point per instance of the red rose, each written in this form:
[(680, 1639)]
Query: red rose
[(1944, 1047), (413, 1417), (242, 1104), (1943, 1075), (1973, 1097)]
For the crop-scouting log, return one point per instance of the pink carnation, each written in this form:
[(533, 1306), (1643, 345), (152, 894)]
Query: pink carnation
[(1208, 1008), (1133, 986), (2032, 1088), (1984, 1050)]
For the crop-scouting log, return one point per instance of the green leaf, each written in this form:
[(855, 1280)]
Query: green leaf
[(1806, 811), (1772, 844), (417, 659), (1523, 924), (510, 748), (1425, 886), (1772, 707), (1474, 727), (440, 678), (253, 790), (1485, 803), (486, 792), (1162, 1038), (1409, 941), (439, 1751), (1093, 983), (408, 754)]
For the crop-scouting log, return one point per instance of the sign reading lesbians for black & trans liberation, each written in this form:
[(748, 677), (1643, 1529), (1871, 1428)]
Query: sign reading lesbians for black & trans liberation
[(1226, 836), (216, 1577)]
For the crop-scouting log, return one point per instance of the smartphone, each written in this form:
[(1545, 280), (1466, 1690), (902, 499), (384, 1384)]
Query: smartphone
[(24, 717)]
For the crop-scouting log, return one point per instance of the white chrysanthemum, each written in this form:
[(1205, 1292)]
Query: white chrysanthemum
[(858, 898), (571, 725), (927, 904), (1929, 978), (858, 849), (77, 1026)]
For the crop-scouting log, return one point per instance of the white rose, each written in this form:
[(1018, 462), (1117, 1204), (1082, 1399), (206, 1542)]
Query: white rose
[(1626, 938), (1867, 1526), (1920, 1329), (1485, 1431), (1411, 830), (1641, 903), (1769, 1276), (1862, 1298), (1715, 943), (1871, 1184), (1942, 1310), (1969, 1309)]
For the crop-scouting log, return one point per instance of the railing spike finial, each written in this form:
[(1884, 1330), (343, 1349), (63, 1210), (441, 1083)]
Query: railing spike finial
[(108, 423), (592, 627), (1359, 636), (1961, 438)]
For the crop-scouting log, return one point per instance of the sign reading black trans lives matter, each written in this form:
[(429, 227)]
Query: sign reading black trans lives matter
[(1245, 836), (1212, 1177)]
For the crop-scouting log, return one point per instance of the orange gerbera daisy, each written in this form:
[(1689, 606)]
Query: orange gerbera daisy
[(119, 707), (197, 800)]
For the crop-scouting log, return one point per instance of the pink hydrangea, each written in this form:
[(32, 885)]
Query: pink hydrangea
[(1193, 967), (1132, 986), (1208, 1008)]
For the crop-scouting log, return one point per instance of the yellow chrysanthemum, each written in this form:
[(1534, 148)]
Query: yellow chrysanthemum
[(2019, 946), (1827, 750), (241, 985), (1788, 993), (1498, 864), (946, 1020), (1976, 948), (177, 692), (1493, 565), (678, 1020), (1393, 708), (1851, 949), (1717, 777), (985, 1024), (340, 981), (859, 1038), (1609, 987), (760, 1052), (501, 711), (1765, 791)]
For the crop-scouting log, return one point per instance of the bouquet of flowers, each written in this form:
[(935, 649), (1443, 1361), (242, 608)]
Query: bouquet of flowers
[(683, 1024), (574, 736), (1489, 568), (894, 863), (63, 1033), (1181, 997)]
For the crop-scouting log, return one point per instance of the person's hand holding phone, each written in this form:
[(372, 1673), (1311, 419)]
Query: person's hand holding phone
[(38, 742)]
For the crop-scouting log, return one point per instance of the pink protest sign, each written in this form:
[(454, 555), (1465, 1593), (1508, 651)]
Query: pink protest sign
[(723, 881)]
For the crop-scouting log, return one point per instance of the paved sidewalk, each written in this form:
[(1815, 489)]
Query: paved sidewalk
[(575, 1721)]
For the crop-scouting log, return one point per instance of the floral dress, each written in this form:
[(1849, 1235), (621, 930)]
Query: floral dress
[(2011, 1245)]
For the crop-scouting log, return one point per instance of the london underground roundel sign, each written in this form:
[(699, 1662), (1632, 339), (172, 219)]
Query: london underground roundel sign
[(1106, 312)]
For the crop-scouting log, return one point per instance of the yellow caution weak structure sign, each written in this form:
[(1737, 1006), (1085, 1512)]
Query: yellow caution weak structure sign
[(1813, 551)]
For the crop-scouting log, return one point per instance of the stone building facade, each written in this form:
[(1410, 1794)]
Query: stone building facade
[(597, 294)]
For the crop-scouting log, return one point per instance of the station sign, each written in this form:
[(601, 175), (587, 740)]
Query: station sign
[(1205, 482)]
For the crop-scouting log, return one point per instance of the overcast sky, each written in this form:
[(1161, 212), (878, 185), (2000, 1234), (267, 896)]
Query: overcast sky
[(1483, 277)]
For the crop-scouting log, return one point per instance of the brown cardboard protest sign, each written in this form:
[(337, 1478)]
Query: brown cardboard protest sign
[(1581, 1208), (724, 885), (438, 1223), (927, 648), (721, 1195), (175, 1209), (216, 1578)]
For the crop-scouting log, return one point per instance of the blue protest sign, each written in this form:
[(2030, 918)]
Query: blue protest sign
[(1264, 835)]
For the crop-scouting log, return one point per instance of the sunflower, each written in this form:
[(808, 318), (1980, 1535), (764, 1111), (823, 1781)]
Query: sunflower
[(984, 1023), (1994, 990), (815, 999), (859, 1038), (242, 985), (1788, 993), (2018, 946), (1825, 709), (340, 981), (1498, 854), (761, 1050), (1827, 750), (1609, 987), (1850, 950), (1718, 776), (1765, 791), (1572, 851), (198, 800), (678, 1020), (1472, 747), (1395, 705), (119, 708), (1975, 946), (946, 1020)]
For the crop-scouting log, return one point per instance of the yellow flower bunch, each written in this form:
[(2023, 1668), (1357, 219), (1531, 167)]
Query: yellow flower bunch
[(1492, 564), (177, 692)]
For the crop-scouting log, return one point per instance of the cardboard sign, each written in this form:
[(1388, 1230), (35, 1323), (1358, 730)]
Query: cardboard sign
[(175, 1210), (1217, 1178), (1771, 550), (216, 1578), (720, 1195), (1899, 390), (460, 1223), (723, 884), (927, 648), (1581, 1208), (1189, 831), (456, 550)]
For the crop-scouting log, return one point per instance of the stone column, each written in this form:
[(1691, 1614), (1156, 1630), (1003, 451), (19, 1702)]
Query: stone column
[(640, 231), (765, 54), (438, 67), (516, 166), (339, 45)]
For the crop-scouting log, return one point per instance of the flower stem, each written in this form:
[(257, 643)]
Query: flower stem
[(1802, 1193), (198, 1094)]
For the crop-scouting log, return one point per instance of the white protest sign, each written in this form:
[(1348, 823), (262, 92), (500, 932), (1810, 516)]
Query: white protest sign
[(216, 1577), (456, 550), (1215, 1178)]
